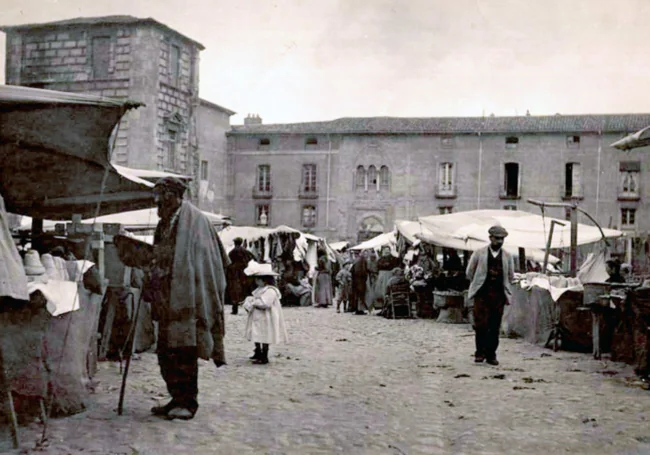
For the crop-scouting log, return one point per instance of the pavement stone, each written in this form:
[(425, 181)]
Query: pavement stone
[(367, 385)]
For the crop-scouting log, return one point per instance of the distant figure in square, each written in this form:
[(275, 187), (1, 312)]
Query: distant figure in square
[(238, 283)]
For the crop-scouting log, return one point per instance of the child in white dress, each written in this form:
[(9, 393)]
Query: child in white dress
[(265, 323)]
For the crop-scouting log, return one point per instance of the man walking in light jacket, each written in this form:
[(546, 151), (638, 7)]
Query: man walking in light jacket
[(491, 271)]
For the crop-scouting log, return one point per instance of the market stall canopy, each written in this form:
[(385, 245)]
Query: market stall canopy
[(375, 243), (525, 230), (54, 155), (149, 175), (416, 230), (131, 221), (639, 139)]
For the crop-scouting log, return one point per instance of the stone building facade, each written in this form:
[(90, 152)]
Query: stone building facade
[(124, 57), (371, 171)]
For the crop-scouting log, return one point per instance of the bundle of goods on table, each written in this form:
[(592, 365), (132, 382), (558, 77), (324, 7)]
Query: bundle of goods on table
[(47, 342), (56, 279)]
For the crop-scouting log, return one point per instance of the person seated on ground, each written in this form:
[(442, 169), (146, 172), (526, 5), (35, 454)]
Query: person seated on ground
[(300, 289), (614, 272)]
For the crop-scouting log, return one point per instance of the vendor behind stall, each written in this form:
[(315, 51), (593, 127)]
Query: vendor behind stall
[(385, 265), (614, 272)]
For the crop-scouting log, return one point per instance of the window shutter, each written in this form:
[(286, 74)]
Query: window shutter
[(519, 178), (502, 179), (577, 179), (454, 176), (440, 176)]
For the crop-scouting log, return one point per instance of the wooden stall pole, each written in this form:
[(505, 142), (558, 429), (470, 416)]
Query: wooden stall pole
[(98, 244), (5, 390), (37, 233), (548, 244), (574, 240), (130, 345)]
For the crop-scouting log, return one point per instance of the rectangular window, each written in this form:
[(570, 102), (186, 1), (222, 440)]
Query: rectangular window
[(628, 217), (446, 177), (172, 143), (311, 142), (262, 215), (174, 65), (629, 174), (445, 210), (309, 216), (204, 170), (573, 142), (101, 58), (309, 178), (264, 143), (264, 178), (509, 207), (567, 214), (572, 180), (512, 142), (511, 181)]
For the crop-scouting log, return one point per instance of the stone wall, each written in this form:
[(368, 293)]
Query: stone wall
[(212, 126), (414, 160), (139, 67)]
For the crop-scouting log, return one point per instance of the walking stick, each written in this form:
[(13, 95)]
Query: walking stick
[(129, 350)]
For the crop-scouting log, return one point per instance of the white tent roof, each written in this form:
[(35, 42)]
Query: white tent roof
[(416, 230), (525, 230), (136, 219), (374, 243), (147, 174)]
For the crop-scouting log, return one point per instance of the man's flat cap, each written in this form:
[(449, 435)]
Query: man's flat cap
[(498, 231), (172, 184)]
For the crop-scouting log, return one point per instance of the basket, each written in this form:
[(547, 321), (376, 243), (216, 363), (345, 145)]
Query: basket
[(133, 252), (448, 300), (593, 291)]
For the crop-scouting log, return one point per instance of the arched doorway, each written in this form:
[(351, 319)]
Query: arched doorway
[(370, 227)]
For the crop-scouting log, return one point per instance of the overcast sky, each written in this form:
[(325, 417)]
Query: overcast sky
[(304, 60)]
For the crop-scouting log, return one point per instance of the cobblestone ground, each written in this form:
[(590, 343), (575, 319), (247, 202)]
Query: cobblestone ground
[(366, 385)]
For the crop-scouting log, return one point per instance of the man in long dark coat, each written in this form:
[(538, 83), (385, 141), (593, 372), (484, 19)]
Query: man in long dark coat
[(359, 279), (186, 284), (238, 283)]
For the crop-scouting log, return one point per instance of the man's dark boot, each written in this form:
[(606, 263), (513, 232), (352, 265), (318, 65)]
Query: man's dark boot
[(163, 410), (492, 361), (235, 308)]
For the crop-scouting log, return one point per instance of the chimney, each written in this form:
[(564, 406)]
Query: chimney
[(252, 119)]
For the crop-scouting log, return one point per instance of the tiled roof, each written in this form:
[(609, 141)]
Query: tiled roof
[(457, 125), (103, 20)]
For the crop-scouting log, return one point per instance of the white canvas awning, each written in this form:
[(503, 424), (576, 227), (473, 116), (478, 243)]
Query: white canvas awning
[(375, 243), (639, 139), (131, 221), (525, 230), (417, 230)]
